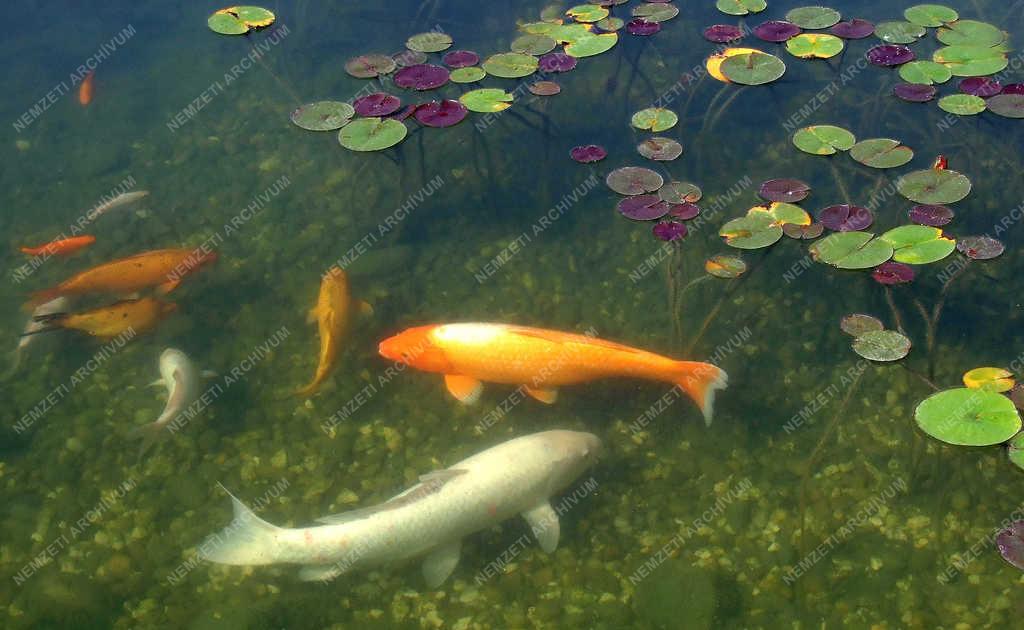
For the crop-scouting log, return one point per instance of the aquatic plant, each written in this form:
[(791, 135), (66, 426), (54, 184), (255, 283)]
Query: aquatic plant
[(239, 20)]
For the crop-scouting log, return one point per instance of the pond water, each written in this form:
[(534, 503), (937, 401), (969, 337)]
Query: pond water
[(812, 500)]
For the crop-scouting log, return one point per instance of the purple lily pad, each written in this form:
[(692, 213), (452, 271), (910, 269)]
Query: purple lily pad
[(643, 207), (915, 92), (460, 59), (441, 113), (669, 230), (891, 272), (640, 26), (405, 113), (422, 76), (853, 29), (932, 216), (981, 86), (557, 62), (377, 104), (806, 232), (844, 217), (588, 153), (683, 211), (1013, 88), (722, 33), (776, 30), (786, 190), (890, 55), (1011, 544), (980, 247)]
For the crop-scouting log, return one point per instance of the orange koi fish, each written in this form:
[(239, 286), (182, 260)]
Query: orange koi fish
[(540, 361), (61, 247), (333, 314), (85, 90), (107, 322), (161, 268)]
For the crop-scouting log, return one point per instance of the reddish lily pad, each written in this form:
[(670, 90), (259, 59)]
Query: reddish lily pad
[(1013, 88), (423, 76), (722, 33), (544, 88), (891, 272), (803, 232), (660, 149), (642, 27), (980, 86), (460, 59), (1011, 544), (915, 92), (980, 247), (377, 104), (669, 230), (588, 153), (683, 211), (845, 218), (642, 207), (441, 113), (890, 55), (776, 30), (634, 180), (557, 62), (931, 215), (853, 29), (787, 190)]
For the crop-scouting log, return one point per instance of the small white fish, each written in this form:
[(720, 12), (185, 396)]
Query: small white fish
[(28, 336), (430, 519), (182, 380), (123, 199)]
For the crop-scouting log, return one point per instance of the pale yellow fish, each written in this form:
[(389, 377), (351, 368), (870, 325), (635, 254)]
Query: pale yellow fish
[(333, 313)]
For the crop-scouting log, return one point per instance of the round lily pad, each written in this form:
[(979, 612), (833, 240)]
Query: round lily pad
[(544, 88), (470, 74), (925, 72), (372, 134), (851, 250), (610, 24), (890, 273), (813, 17), (660, 149), (725, 266), (814, 46), (441, 113), (899, 32), (930, 15), (634, 180), (642, 27), (1010, 541), (721, 33), (370, 66), (740, 7), (971, 61), (669, 230), (588, 153), (853, 29), (642, 207), (655, 11), (239, 20), (890, 55), (1013, 88), (968, 417), (980, 86), (680, 192), (682, 211), (533, 44), (1008, 105), (804, 232), (915, 92), (962, 104), (753, 68), (409, 58), (918, 244), (881, 153), (655, 119), (460, 58), (785, 213), (557, 62), (486, 100), (587, 13), (931, 215), (845, 218), (422, 76), (934, 186), (990, 379), (971, 33), (510, 65), (788, 190), (376, 104), (429, 42), (980, 247), (754, 231), (858, 324), (225, 23), (591, 45), (714, 61), (882, 345), (823, 139), (323, 115), (776, 31)]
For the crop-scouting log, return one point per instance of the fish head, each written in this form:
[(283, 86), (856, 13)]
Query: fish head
[(337, 276), (416, 348), (199, 258), (572, 452), (171, 359), (166, 308)]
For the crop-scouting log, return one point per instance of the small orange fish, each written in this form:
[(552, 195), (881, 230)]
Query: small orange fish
[(61, 247), (160, 268), (540, 361), (85, 90), (107, 322), (941, 163)]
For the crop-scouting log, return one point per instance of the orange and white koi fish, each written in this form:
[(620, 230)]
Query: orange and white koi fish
[(540, 361), (107, 322), (61, 247), (86, 89), (161, 268), (333, 315)]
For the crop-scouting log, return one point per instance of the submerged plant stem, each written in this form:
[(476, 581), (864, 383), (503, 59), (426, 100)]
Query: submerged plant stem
[(895, 311)]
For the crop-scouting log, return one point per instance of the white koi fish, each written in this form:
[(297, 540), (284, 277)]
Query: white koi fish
[(56, 305), (182, 379), (123, 199), (429, 519)]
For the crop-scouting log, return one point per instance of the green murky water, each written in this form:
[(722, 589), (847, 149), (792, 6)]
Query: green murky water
[(812, 501)]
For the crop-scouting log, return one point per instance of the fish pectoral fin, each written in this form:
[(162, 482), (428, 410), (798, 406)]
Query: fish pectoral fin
[(167, 287), (440, 563), (547, 395), (466, 388), (312, 315), (321, 572), (365, 308), (544, 523), (155, 383)]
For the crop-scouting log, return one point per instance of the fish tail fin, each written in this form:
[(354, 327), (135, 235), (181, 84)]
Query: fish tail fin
[(700, 381), (31, 251), (42, 297), (247, 540), (150, 434)]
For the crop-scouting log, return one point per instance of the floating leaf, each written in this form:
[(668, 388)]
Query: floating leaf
[(854, 29), (814, 45), (372, 134), (634, 180), (721, 33), (682, 211), (881, 153), (441, 113), (725, 266), (429, 42), (851, 250), (805, 232), (1008, 105), (238, 20), (914, 92), (669, 230), (980, 86), (970, 33), (776, 31), (753, 68), (845, 218), (376, 104), (962, 104), (882, 345), (1013, 88), (655, 119), (785, 213), (971, 61), (925, 72), (510, 65), (467, 75), (754, 231), (532, 44), (587, 13), (642, 207), (823, 139), (642, 27), (591, 45), (890, 273), (980, 247), (588, 153), (990, 379), (680, 192), (1015, 451), (422, 76), (544, 88), (788, 190), (934, 186), (610, 24), (899, 32), (890, 55), (460, 59), (225, 23), (740, 7), (932, 215), (813, 17), (408, 58), (370, 66), (859, 324), (655, 11), (486, 100), (714, 62), (968, 417), (323, 115), (557, 62), (918, 244), (930, 15), (1010, 541), (660, 149)]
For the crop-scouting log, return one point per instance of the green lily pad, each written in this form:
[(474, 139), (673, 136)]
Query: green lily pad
[(754, 231), (962, 104), (725, 266), (370, 66), (253, 16), (429, 42), (591, 45), (930, 15), (990, 379), (859, 324), (823, 139), (851, 250), (680, 192), (934, 187), (372, 134), (968, 417), (654, 118), (634, 180), (1015, 451), (486, 100), (587, 13), (971, 61), (469, 74), (611, 24), (226, 24), (655, 11), (541, 28), (925, 72), (785, 213), (533, 44), (1008, 105), (881, 153), (918, 244), (569, 33), (323, 115), (813, 17), (239, 20), (814, 46), (510, 65), (753, 68), (899, 32), (741, 7), (970, 33), (882, 345)]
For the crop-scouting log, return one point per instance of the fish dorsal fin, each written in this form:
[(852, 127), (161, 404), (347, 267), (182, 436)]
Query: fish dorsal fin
[(440, 563), (465, 388), (544, 523), (555, 336), (429, 484)]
